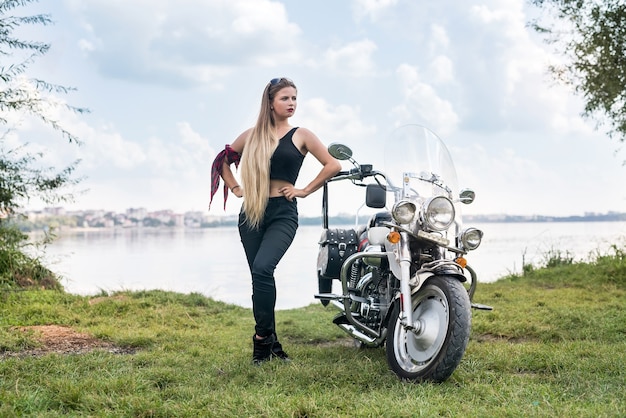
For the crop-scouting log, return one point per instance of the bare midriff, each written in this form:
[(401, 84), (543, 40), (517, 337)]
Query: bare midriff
[(276, 185)]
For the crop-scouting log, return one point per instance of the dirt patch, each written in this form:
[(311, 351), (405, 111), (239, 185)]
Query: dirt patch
[(63, 340), (100, 299), (339, 342)]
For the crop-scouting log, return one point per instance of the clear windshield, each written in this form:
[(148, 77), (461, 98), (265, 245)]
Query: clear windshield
[(418, 165)]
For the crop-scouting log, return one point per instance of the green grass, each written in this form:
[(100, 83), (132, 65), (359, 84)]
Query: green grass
[(554, 346)]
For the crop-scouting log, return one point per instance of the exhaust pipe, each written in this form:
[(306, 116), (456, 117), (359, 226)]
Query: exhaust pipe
[(356, 334), (337, 304)]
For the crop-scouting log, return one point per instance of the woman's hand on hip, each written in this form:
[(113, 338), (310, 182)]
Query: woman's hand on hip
[(290, 192)]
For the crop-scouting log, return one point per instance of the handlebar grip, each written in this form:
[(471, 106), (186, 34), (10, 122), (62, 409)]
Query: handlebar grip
[(357, 173)]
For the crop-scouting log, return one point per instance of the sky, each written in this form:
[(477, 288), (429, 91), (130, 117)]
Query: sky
[(170, 83)]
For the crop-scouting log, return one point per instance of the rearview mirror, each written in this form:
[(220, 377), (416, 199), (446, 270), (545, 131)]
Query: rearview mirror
[(340, 151), (467, 196)]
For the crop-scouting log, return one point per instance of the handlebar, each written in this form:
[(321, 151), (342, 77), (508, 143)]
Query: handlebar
[(358, 173)]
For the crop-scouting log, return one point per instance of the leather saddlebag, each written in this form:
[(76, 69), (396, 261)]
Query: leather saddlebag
[(335, 246)]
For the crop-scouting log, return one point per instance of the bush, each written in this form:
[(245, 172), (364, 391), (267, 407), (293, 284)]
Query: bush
[(19, 269)]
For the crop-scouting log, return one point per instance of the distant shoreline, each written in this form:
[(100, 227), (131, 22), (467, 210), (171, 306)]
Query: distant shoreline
[(339, 222), (177, 222), (609, 217)]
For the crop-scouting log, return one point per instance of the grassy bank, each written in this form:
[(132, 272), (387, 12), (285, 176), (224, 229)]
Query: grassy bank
[(554, 346)]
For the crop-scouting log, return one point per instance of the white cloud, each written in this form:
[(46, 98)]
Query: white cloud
[(371, 8), (102, 145), (354, 58), (160, 173), (179, 157), (439, 40), (194, 41), (441, 70), (494, 174), (422, 103), (500, 13), (334, 122), (252, 17), (85, 45), (111, 149)]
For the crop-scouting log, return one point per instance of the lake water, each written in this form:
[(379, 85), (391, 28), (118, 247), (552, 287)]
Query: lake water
[(212, 262)]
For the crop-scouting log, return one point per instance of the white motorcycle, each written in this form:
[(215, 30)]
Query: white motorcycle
[(404, 278)]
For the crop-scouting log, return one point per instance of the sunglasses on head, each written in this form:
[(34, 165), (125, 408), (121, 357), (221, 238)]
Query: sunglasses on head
[(275, 81)]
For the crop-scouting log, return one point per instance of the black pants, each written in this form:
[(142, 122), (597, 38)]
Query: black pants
[(264, 248)]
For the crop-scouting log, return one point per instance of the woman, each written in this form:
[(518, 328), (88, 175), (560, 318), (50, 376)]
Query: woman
[(271, 155)]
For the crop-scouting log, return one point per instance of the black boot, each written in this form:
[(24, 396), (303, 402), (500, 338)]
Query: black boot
[(262, 351), (277, 350)]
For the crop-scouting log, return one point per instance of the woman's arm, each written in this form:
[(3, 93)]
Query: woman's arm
[(227, 174)]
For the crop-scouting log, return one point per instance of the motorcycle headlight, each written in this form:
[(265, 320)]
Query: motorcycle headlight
[(471, 238), (438, 213), (403, 212)]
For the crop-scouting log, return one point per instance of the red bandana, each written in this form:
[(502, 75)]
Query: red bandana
[(230, 156)]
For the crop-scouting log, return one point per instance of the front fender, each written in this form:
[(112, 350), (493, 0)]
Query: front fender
[(422, 275)]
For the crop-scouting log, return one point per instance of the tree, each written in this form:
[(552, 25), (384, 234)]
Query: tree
[(22, 176), (591, 34)]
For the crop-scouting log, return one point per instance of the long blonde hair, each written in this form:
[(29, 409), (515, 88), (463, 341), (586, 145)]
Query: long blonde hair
[(255, 159)]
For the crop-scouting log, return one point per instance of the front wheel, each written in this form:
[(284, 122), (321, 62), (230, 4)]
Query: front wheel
[(442, 318)]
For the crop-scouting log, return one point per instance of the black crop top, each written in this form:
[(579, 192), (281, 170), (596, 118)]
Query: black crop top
[(287, 160)]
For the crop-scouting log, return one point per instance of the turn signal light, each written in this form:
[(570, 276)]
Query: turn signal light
[(461, 262), (393, 237)]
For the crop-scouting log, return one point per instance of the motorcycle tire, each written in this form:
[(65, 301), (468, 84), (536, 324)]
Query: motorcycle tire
[(442, 311)]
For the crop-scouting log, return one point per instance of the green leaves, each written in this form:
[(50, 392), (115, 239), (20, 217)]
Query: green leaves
[(592, 38), (22, 174)]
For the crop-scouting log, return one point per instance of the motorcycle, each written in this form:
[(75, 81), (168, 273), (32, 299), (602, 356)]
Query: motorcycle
[(405, 282)]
